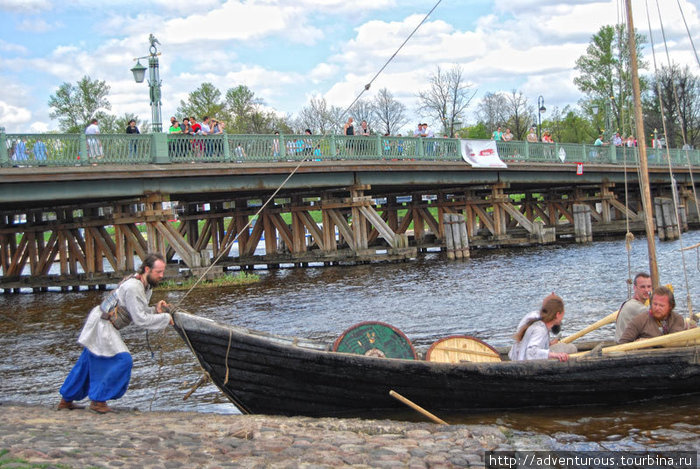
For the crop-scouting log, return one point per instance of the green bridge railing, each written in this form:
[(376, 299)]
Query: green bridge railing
[(78, 149)]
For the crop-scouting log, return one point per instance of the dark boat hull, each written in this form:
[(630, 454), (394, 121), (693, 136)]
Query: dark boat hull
[(273, 375)]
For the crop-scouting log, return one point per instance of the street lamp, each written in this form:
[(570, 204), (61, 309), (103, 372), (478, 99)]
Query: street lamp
[(139, 72), (540, 110)]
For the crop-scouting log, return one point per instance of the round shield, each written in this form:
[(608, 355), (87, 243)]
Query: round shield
[(375, 339), (461, 348)]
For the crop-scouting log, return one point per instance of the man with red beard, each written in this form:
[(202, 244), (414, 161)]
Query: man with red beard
[(660, 320), (103, 370)]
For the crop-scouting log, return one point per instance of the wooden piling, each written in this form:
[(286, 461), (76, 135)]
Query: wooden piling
[(583, 231)]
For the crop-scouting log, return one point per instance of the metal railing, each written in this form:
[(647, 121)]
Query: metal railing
[(79, 149)]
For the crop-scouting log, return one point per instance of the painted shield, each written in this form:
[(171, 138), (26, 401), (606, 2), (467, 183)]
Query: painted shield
[(375, 339)]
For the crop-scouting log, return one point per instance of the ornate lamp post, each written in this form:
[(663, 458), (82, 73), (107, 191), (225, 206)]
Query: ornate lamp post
[(540, 110), (139, 72)]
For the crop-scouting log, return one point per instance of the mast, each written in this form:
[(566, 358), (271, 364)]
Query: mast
[(644, 168)]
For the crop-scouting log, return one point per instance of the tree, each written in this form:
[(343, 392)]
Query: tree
[(319, 117), (681, 119), (390, 113), (605, 76), (204, 101), (479, 131), (363, 110), (519, 114), (118, 124), (447, 98), (74, 106), (490, 111), (243, 109)]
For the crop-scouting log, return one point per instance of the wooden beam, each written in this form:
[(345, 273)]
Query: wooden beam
[(343, 227), (311, 225)]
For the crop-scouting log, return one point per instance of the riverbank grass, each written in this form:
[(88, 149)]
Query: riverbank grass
[(240, 278)]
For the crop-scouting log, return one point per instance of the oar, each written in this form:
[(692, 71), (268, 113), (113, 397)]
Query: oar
[(606, 320), (415, 406), (676, 339)]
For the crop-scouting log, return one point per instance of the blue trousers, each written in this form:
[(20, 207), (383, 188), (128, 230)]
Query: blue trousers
[(100, 378)]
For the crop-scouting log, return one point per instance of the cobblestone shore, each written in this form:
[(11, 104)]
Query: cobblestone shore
[(33, 436)]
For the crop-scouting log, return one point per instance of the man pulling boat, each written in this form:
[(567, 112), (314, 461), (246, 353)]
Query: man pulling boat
[(103, 370)]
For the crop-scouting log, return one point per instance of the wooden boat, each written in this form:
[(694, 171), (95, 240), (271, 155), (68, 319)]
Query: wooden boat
[(271, 374)]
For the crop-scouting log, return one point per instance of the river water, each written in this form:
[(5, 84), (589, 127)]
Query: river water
[(427, 299)]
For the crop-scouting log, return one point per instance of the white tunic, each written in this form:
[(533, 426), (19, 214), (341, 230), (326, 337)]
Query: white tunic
[(535, 343), (99, 335)]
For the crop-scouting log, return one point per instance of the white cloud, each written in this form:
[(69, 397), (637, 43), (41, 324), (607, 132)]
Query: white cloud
[(11, 47), (37, 25), (14, 118), (26, 6)]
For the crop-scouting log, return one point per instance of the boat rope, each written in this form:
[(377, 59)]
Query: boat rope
[(367, 86), (688, 31), (629, 237), (674, 189), (229, 244)]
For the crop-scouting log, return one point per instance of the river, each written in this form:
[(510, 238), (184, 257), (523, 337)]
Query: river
[(427, 299)]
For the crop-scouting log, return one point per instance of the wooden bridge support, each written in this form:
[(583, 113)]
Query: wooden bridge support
[(98, 243)]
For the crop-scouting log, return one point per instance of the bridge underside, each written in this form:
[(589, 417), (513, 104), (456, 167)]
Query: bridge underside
[(73, 243)]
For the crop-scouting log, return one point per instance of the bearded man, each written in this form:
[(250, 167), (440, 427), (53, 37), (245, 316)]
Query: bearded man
[(103, 370), (660, 320)]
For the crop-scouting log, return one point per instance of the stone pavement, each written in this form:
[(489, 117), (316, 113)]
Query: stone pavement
[(33, 436)]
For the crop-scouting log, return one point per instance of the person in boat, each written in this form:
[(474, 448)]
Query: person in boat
[(103, 370), (634, 306), (532, 340), (660, 320)]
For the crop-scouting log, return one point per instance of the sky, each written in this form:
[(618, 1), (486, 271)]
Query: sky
[(289, 51)]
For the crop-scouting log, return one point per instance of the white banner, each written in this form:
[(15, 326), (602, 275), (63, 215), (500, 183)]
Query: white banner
[(481, 153)]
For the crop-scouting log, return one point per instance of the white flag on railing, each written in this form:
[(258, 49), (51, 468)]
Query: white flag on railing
[(481, 153)]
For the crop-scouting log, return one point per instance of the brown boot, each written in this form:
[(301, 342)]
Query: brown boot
[(100, 407), (70, 405)]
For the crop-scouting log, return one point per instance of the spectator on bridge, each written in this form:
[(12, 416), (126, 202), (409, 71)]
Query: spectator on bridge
[(276, 144), (175, 144), (508, 136), (40, 152), (94, 147), (547, 137), (419, 131), (133, 143), (631, 142), (532, 136), (206, 130), (349, 131), (19, 153), (617, 140), (497, 134), (599, 141), (197, 146), (363, 131), (308, 144)]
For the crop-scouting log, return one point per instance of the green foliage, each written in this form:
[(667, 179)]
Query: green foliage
[(75, 105), (605, 77), (204, 101), (241, 278), (570, 126), (476, 131)]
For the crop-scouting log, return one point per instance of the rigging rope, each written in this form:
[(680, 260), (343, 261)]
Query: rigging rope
[(678, 108), (674, 191), (229, 244), (688, 31), (367, 86)]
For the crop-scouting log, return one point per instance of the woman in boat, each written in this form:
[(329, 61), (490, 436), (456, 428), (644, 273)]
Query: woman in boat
[(532, 339)]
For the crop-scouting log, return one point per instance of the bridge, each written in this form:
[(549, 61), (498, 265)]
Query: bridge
[(80, 210)]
